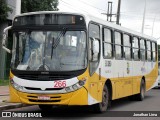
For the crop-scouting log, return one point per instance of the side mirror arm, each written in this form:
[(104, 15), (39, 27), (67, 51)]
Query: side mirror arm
[(5, 38)]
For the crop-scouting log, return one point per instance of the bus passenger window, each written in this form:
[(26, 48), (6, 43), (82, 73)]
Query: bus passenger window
[(136, 48), (127, 46), (153, 51), (118, 45), (107, 44), (142, 50), (148, 50)]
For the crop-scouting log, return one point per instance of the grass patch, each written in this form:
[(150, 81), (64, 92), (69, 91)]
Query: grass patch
[(4, 82)]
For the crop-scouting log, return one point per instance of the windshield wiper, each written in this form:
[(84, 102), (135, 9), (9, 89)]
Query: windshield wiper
[(56, 41)]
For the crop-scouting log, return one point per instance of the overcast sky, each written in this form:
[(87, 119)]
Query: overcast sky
[(131, 12)]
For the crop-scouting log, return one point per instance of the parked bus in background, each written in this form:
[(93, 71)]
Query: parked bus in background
[(70, 59)]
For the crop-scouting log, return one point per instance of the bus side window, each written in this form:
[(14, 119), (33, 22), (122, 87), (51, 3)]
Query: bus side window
[(94, 34), (142, 50), (118, 45), (153, 51), (136, 49), (127, 46), (148, 50), (107, 43)]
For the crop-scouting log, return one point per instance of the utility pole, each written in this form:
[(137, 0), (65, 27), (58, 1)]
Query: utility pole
[(109, 12), (153, 25), (144, 15), (18, 7), (118, 12)]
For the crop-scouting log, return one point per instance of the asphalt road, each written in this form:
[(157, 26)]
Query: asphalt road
[(119, 109)]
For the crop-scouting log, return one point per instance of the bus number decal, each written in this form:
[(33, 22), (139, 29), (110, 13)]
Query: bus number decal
[(108, 63), (59, 84)]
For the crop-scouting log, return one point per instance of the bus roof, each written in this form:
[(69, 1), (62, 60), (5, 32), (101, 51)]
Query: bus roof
[(95, 19), (120, 28)]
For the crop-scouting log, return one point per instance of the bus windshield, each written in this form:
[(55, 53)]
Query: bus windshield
[(49, 51)]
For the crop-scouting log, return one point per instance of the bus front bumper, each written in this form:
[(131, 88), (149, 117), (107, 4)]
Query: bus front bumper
[(78, 97)]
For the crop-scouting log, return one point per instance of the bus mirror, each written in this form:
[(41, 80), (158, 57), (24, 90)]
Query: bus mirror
[(4, 39), (94, 49)]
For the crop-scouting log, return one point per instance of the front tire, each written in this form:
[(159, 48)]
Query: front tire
[(102, 107)]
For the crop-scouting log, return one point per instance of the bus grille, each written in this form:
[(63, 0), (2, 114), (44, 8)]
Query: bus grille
[(44, 77), (37, 97), (31, 100), (48, 89)]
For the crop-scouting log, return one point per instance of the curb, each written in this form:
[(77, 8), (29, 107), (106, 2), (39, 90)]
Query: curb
[(12, 106)]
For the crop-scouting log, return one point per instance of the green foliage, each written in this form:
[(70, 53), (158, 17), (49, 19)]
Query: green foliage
[(4, 82), (4, 9), (39, 5)]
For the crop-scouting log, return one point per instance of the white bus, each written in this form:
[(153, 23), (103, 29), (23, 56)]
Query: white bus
[(61, 58)]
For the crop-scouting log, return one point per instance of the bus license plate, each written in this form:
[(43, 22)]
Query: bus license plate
[(44, 98)]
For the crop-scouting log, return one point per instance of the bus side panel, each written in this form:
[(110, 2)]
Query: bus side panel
[(14, 97), (152, 76)]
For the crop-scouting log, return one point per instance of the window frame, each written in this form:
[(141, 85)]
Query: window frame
[(110, 43), (149, 50), (154, 59), (91, 62), (143, 48), (121, 45), (137, 48), (125, 46)]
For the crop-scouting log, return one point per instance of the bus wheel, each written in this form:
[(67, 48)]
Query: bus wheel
[(45, 107), (141, 95), (102, 107)]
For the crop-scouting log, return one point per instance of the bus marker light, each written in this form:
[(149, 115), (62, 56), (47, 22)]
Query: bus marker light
[(82, 82), (92, 85), (75, 87), (68, 89)]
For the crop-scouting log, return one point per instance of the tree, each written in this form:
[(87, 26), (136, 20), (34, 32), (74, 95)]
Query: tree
[(4, 9), (39, 5)]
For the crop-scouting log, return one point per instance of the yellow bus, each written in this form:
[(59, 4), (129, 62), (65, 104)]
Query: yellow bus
[(62, 58)]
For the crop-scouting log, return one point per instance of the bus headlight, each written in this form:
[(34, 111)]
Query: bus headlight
[(82, 82), (68, 89), (16, 86), (76, 86)]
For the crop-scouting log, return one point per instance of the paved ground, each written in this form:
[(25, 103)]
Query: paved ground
[(4, 90), (4, 99), (4, 95), (150, 103)]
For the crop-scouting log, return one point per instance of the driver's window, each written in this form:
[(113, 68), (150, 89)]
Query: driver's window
[(94, 32)]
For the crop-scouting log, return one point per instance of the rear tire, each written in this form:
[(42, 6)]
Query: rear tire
[(45, 107), (141, 95), (102, 107)]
